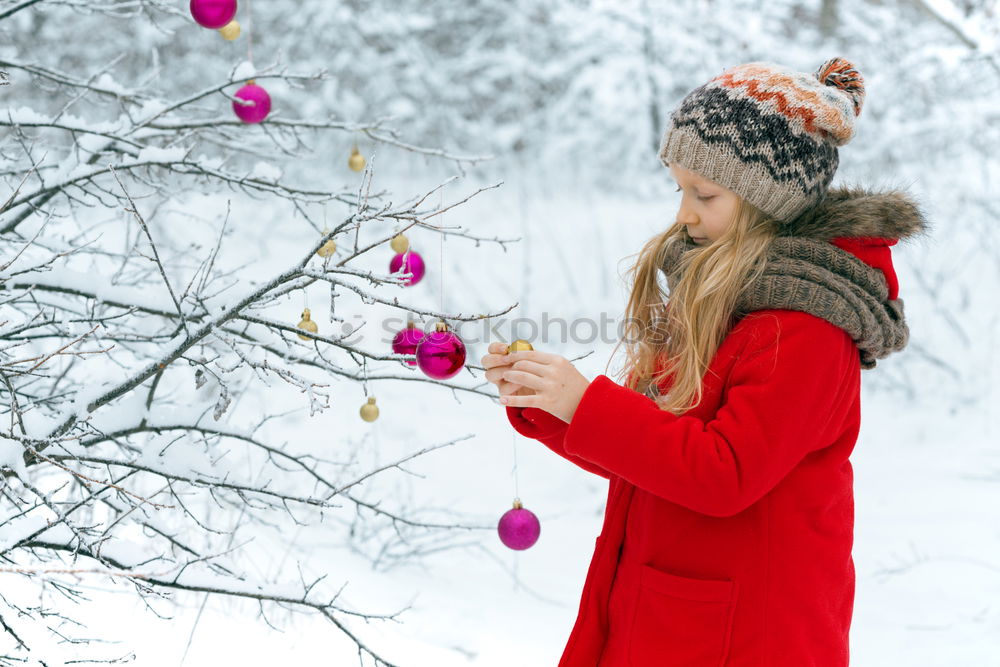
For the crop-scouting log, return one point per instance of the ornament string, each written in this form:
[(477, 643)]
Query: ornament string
[(249, 34), (441, 251), (513, 442), (375, 429)]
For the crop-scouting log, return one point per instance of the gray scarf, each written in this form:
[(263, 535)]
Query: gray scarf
[(806, 272)]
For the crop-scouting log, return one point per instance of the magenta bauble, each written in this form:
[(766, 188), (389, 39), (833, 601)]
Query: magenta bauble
[(441, 353), (256, 112), (411, 262), (213, 13), (519, 528), (405, 341)]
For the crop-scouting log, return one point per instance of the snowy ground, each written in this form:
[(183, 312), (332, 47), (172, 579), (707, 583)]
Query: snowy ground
[(927, 546)]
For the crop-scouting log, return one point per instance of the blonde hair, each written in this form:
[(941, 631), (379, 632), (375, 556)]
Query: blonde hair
[(686, 330)]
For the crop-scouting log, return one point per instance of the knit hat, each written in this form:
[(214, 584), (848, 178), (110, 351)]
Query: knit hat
[(767, 132)]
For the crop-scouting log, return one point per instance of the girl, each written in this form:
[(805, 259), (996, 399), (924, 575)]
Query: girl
[(728, 528)]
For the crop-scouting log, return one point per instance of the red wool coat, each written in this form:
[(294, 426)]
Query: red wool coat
[(728, 531)]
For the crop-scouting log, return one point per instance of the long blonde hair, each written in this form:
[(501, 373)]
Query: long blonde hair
[(680, 336)]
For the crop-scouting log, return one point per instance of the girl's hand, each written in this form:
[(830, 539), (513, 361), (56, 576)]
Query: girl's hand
[(495, 363), (558, 386)]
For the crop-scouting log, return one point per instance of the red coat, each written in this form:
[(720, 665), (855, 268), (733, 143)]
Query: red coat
[(728, 530)]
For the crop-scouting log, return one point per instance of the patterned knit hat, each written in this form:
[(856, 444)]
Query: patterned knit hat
[(767, 132)]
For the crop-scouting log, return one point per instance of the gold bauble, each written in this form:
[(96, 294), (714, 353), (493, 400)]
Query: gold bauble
[(369, 411), (231, 30), (399, 243), (357, 160), (327, 248), (307, 325), (519, 345)]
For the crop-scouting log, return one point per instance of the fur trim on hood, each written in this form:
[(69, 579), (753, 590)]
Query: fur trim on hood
[(851, 211)]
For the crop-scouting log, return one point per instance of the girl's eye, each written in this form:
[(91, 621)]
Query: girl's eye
[(700, 198)]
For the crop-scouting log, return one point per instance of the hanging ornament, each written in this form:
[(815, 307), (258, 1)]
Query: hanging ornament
[(369, 411), (259, 103), (441, 353), (230, 31), (307, 325), (357, 160), (519, 528), (406, 340), (327, 248), (411, 262), (399, 243), (213, 14)]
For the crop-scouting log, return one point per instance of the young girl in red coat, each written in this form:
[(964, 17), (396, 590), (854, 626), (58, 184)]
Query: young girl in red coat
[(728, 528)]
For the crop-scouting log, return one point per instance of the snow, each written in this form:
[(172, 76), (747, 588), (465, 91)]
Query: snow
[(11, 455), (107, 82), (157, 154), (25, 115), (265, 171), (245, 70), (151, 108)]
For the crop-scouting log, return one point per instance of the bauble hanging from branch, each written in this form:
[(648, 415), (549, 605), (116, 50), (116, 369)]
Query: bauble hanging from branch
[(410, 262), (399, 243), (256, 104), (406, 340), (356, 161), (369, 411), (213, 14), (230, 31), (307, 324), (441, 353), (327, 248)]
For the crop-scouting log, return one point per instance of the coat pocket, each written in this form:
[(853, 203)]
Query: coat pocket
[(680, 621)]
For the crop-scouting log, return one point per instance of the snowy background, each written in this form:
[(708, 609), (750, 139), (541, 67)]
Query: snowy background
[(570, 98)]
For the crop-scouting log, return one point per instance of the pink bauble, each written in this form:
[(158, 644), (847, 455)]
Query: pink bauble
[(519, 528), (414, 264), (441, 354), (256, 112), (213, 13), (405, 341)]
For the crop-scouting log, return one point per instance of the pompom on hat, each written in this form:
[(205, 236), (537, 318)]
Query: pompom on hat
[(767, 132)]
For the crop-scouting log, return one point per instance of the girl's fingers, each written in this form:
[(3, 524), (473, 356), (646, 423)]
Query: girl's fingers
[(530, 366), (511, 388), (523, 378), (536, 356), (495, 374), (494, 360)]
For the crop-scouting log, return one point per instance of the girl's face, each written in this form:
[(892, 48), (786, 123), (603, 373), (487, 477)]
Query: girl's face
[(707, 208)]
